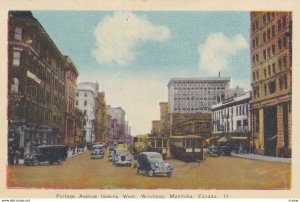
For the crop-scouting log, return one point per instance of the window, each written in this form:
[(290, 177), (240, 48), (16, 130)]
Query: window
[(280, 62), (284, 41), (273, 49), (264, 37), (257, 75), (16, 58), (18, 33), (285, 82), (265, 89), (268, 34), (77, 94), (274, 68), (269, 70), (257, 58), (269, 52), (273, 30), (268, 16), (264, 19), (284, 22), (77, 102), (85, 103), (253, 76), (265, 72), (279, 25), (272, 87), (280, 83), (284, 61), (279, 44), (265, 54), (256, 41)]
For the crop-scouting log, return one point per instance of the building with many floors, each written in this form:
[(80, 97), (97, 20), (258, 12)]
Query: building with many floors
[(118, 114), (36, 84), (271, 71), (71, 75), (102, 127), (196, 95), (86, 97)]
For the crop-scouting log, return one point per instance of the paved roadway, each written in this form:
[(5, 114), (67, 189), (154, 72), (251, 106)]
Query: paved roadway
[(213, 173)]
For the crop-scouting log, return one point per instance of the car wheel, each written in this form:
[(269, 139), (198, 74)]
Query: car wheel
[(35, 162), (60, 161), (151, 173), (169, 174), (137, 171)]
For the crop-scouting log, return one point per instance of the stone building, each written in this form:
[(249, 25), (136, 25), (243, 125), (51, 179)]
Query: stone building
[(71, 75), (118, 114), (196, 95), (86, 101), (36, 83), (102, 127), (271, 71)]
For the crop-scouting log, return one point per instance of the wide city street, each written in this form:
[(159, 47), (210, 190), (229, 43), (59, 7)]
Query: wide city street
[(223, 172)]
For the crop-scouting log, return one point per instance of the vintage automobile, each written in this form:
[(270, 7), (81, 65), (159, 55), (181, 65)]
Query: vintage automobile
[(121, 157), (97, 152), (152, 163), (111, 153), (47, 153), (225, 150), (213, 151)]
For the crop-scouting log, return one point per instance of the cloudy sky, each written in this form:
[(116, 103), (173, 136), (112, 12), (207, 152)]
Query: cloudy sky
[(133, 55)]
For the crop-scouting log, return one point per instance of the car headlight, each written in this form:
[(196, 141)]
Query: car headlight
[(156, 164)]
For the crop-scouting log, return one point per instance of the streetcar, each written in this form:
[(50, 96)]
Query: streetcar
[(138, 144), (157, 144), (186, 148)]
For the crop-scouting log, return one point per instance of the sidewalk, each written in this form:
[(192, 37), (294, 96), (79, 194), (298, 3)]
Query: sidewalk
[(262, 158)]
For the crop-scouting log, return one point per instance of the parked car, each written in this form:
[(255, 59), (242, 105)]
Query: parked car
[(152, 163), (97, 152), (225, 150), (111, 153), (47, 153), (213, 151), (122, 157)]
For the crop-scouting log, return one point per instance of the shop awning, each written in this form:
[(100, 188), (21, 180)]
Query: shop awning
[(239, 138), (222, 139)]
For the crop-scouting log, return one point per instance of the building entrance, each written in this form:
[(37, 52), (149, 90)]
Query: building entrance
[(270, 130)]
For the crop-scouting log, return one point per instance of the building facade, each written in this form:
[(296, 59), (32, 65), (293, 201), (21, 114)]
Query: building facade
[(118, 114), (102, 127), (36, 84), (232, 115), (71, 75), (164, 119), (86, 101), (79, 138), (271, 71), (196, 95), (156, 128)]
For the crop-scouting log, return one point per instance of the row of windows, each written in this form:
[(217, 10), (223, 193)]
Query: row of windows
[(201, 88), (271, 70), (267, 18), (268, 53), (271, 86), (199, 84), (239, 110), (193, 98)]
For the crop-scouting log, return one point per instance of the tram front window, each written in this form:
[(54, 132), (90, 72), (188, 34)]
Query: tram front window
[(188, 143), (152, 143), (159, 143)]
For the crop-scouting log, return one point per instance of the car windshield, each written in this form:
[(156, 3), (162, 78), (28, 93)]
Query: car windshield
[(97, 147), (155, 156), (121, 151)]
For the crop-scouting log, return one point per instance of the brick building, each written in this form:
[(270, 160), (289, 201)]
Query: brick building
[(71, 75), (36, 83), (271, 70)]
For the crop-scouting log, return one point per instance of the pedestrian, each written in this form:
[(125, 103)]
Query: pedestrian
[(17, 155)]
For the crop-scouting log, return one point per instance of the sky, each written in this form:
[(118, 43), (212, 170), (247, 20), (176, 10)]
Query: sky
[(133, 54)]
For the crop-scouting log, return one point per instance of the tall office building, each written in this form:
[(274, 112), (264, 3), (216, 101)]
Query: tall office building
[(271, 70), (196, 95)]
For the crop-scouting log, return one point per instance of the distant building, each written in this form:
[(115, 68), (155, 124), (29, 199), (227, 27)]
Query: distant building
[(234, 92), (101, 129), (71, 75), (79, 138), (156, 127), (271, 71), (196, 95), (118, 114), (36, 84), (164, 119), (86, 101)]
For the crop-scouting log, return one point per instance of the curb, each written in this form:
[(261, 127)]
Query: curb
[(263, 158)]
